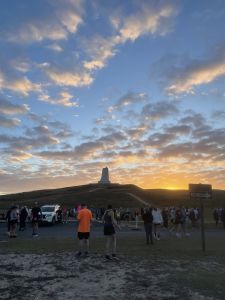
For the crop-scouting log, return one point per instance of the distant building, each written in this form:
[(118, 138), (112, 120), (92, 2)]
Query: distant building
[(105, 176)]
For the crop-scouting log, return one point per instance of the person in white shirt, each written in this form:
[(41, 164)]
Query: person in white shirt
[(157, 221)]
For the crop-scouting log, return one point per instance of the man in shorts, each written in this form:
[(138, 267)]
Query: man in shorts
[(84, 218)]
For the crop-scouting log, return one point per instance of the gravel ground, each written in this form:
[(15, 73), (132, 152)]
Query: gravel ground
[(62, 276)]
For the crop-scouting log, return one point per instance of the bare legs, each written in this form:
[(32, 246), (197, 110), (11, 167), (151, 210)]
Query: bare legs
[(110, 244), (84, 245)]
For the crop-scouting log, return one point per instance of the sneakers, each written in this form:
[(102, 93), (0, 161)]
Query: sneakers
[(107, 257), (110, 258), (114, 257), (78, 254), (86, 254)]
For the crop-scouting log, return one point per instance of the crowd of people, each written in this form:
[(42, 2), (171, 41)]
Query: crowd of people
[(16, 217), (219, 215), (174, 219)]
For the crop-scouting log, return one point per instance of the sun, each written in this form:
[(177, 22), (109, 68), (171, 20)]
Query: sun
[(171, 188)]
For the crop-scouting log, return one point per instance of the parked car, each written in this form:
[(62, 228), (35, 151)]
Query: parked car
[(50, 214)]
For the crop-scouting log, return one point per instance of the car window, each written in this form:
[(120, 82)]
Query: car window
[(48, 209)]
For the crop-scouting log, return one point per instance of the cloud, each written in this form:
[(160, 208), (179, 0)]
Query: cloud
[(192, 118), (54, 23), (137, 132), (8, 123), (64, 99), (197, 73), (37, 32), (99, 49), (160, 139), (220, 115), (159, 110), (128, 99), (70, 19), (20, 65), (55, 47), (179, 130), (148, 20), (20, 156), (9, 108), (69, 78), (21, 85)]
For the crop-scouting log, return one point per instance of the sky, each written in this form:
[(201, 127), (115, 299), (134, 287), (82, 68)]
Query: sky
[(135, 85)]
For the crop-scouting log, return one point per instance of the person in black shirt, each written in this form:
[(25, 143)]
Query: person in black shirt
[(148, 218), (23, 217), (35, 217), (59, 213), (110, 233)]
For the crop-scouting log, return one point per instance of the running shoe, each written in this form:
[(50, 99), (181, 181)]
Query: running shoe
[(86, 254), (107, 257), (114, 257), (78, 254)]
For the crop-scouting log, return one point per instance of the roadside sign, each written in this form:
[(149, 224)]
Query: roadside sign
[(200, 191)]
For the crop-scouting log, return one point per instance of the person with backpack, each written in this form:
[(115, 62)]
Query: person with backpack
[(110, 233)]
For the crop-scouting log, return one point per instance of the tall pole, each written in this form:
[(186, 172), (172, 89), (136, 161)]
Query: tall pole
[(202, 225)]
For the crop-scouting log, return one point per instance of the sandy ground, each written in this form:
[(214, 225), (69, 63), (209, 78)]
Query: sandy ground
[(62, 276)]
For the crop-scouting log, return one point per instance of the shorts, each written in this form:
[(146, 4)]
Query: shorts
[(34, 221), (83, 235), (109, 230), (13, 222), (177, 222)]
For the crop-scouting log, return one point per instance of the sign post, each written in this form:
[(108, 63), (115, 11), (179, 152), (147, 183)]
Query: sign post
[(201, 192)]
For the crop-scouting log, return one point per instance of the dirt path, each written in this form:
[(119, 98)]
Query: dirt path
[(93, 190), (138, 199)]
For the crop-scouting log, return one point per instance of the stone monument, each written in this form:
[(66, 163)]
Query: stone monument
[(105, 176)]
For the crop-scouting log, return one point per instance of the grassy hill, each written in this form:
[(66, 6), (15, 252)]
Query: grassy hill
[(117, 195)]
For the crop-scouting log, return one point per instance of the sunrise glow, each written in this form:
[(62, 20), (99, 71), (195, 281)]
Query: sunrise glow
[(137, 86)]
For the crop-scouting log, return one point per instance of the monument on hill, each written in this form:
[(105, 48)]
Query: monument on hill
[(105, 176)]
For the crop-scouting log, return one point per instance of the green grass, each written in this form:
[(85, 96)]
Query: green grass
[(131, 246)]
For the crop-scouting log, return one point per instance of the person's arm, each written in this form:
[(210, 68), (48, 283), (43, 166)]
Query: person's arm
[(113, 219), (161, 218), (103, 217), (31, 214), (91, 218)]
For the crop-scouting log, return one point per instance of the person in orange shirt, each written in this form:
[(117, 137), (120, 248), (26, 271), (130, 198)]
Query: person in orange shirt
[(83, 232)]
